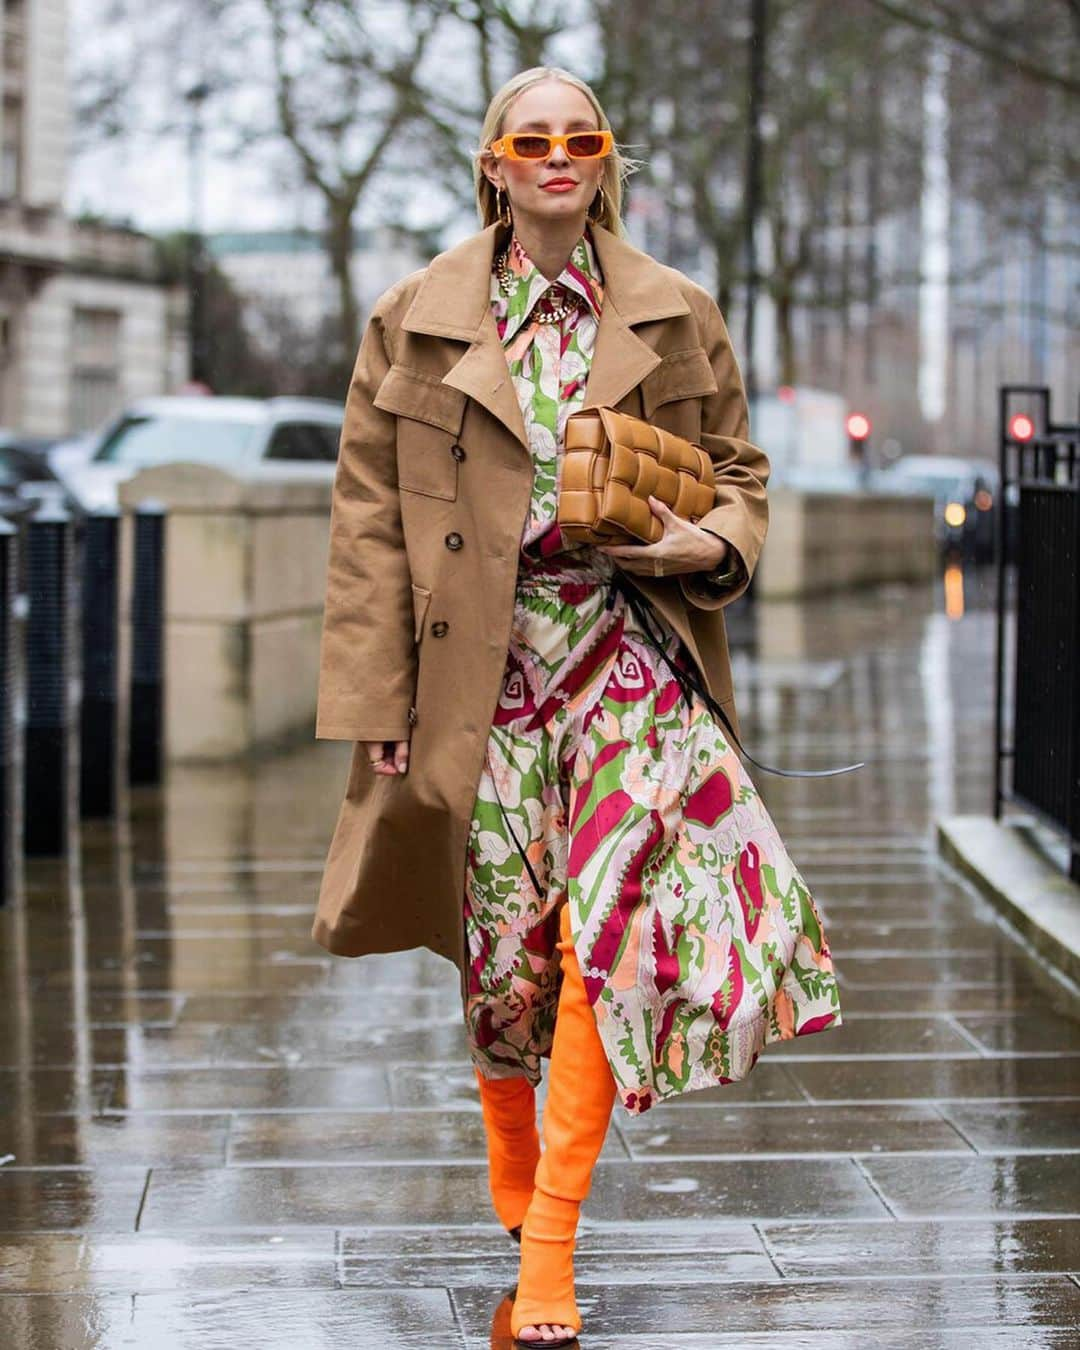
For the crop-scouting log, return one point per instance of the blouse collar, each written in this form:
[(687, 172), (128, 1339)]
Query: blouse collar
[(581, 275)]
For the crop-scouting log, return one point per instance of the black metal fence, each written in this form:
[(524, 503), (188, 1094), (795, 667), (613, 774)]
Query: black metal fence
[(60, 676), (1038, 581)]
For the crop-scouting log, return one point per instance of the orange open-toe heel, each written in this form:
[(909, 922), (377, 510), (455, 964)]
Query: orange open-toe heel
[(577, 1113), (513, 1143)]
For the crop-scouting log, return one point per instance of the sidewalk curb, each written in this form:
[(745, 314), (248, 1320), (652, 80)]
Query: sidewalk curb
[(1033, 895)]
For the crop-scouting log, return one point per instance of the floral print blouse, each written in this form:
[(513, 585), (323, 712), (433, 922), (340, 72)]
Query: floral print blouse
[(549, 364)]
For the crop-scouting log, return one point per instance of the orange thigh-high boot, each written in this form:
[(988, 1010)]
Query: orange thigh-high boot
[(513, 1145), (580, 1095)]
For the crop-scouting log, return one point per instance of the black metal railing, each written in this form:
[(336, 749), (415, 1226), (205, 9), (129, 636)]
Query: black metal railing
[(147, 654), (46, 758), (60, 674), (1038, 581), (98, 713)]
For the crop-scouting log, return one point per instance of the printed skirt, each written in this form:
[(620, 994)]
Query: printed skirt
[(698, 940)]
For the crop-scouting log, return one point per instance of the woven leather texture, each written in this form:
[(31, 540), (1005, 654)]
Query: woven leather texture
[(613, 463)]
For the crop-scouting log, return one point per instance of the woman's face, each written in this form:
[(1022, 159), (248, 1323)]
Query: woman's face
[(531, 185)]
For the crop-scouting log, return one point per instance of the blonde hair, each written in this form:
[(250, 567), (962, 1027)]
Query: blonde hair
[(617, 167)]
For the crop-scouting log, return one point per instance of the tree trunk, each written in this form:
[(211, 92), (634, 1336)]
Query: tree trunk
[(339, 241), (758, 38)]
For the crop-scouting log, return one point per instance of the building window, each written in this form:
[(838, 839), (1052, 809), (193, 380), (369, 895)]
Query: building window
[(11, 149), (95, 366)]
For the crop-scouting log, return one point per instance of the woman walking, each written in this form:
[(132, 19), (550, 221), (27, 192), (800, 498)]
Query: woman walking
[(533, 792)]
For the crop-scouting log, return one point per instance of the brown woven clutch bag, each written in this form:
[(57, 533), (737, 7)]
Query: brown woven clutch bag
[(613, 463)]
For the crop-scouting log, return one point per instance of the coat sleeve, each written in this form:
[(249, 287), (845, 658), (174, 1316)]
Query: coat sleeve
[(367, 660), (741, 513)]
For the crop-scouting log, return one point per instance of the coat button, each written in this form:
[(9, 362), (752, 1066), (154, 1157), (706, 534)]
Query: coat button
[(440, 628), (458, 451), (454, 541)]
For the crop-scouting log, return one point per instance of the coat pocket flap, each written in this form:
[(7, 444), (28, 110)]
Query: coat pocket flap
[(421, 599), (685, 374), (423, 397)]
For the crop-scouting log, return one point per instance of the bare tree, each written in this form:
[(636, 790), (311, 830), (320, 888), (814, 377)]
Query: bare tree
[(344, 94), (331, 85), (1002, 34)]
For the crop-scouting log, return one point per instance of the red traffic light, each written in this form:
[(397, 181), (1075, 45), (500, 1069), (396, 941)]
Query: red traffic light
[(858, 426), (1021, 427)]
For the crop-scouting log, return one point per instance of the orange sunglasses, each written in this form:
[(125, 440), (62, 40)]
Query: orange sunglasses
[(539, 145)]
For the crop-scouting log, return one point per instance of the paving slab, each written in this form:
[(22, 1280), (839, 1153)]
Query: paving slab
[(1017, 1127), (620, 1253), (209, 1198), (1022, 1185), (938, 1079), (397, 1319), (821, 1307), (430, 1138), (62, 1263), (251, 1087), (71, 1199), (102, 1141), (846, 1129), (962, 1245)]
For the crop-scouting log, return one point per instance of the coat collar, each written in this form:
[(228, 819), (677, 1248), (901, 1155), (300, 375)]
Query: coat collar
[(453, 301), (581, 275)]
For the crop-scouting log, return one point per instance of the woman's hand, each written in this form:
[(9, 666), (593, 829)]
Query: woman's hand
[(387, 756), (684, 547)]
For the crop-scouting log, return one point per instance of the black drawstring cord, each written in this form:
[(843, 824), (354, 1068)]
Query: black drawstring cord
[(690, 682)]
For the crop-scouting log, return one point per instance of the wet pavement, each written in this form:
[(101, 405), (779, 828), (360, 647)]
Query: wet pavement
[(213, 1133)]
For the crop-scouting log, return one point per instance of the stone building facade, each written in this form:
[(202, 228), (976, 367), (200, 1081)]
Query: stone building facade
[(86, 322)]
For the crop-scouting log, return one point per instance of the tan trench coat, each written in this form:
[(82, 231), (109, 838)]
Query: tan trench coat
[(430, 498)]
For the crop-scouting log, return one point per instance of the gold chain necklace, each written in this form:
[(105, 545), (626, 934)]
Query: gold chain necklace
[(508, 280)]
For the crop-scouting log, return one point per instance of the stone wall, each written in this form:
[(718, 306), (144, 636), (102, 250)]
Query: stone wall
[(826, 541)]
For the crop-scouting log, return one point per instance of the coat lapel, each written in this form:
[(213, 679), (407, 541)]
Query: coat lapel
[(483, 374), (636, 290), (453, 302)]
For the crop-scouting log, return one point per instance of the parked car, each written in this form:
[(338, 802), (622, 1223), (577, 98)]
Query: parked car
[(26, 481), (24, 459), (966, 495), (230, 433)]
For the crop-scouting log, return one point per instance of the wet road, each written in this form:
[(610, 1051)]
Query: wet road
[(212, 1133)]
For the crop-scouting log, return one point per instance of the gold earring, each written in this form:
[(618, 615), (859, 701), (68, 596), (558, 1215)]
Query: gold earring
[(603, 206), (508, 219)]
